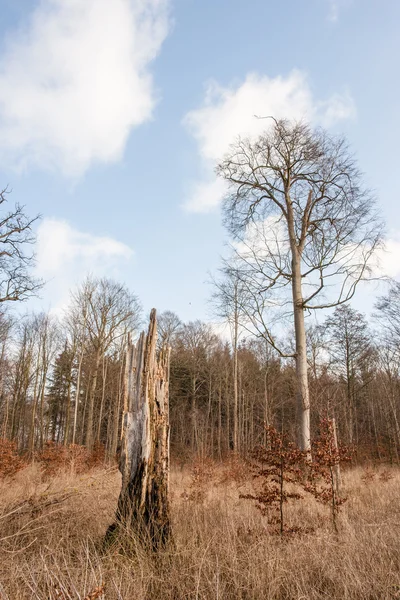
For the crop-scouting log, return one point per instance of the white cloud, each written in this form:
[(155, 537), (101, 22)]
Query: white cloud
[(65, 256), (229, 112), (386, 262), (263, 240), (205, 195), (333, 14), (334, 8), (76, 80)]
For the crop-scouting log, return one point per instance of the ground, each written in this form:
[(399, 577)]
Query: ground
[(51, 533)]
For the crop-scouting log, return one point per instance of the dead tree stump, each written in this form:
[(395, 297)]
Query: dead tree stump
[(143, 506)]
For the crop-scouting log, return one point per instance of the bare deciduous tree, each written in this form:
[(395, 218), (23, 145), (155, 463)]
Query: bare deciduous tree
[(227, 301), (303, 224), (388, 314), (16, 238), (169, 325), (350, 350), (106, 311)]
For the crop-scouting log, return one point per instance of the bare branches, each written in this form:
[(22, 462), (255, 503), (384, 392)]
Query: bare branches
[(16, 236), (388, 313), (298, 191), (105, 310), (301, 219)]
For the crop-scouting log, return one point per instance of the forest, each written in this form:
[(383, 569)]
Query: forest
[(62, 376), (199, 300), (259, 411), (61, 380)]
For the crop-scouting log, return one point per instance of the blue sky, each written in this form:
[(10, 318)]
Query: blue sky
[(114, 113)]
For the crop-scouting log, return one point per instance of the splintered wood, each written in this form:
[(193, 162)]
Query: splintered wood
[(144, 463)]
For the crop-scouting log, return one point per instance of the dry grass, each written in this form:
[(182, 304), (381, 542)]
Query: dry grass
[(51, 534)]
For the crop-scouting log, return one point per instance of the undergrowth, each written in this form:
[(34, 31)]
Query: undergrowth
[(52, 529)]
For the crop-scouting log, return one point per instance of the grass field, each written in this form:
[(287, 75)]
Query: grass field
[(51, 533)]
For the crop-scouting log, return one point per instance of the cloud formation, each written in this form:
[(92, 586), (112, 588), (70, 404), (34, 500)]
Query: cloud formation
[(387, 260), (335, 8), (75, 81), (231, 111), (66, 255)]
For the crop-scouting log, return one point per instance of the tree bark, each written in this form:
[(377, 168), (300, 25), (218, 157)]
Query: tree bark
[(117, 414), (303, 397), (90, 417), (143, 502), (336, 468), (77, 395), (235, 371), (104, 374)]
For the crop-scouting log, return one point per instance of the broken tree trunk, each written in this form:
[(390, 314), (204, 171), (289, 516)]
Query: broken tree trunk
[(144, 463)]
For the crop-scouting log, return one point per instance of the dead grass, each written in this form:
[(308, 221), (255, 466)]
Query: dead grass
[(51, 533)]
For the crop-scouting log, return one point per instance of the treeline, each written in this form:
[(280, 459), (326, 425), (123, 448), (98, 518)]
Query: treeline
[(62, 378)]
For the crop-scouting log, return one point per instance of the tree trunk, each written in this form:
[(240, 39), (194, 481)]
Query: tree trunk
[(117, 417), (31, 443), (104, 374), (67, 415), (77, 396), (143, 502), (235, 373), (42, 392), (303, 398), (194, 416), (90, 416), (336, 468)]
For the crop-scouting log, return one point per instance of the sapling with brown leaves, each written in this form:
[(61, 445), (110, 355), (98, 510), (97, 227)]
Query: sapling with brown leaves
[(276, 465)]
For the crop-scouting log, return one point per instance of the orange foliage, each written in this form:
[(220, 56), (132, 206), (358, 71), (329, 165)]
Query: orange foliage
[(10, 461), (274, 466), (56, 457)]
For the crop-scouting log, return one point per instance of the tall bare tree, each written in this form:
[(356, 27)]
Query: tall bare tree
[(303, 222), (227, 301)]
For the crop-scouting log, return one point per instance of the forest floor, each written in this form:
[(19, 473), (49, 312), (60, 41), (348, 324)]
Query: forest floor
[(51, 532)]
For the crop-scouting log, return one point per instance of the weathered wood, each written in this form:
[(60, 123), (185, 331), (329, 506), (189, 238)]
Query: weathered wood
[(144, 463), (338, 478)]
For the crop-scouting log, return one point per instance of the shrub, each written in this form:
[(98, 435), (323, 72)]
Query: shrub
[(274, 466), (10, 461), (56, 457)]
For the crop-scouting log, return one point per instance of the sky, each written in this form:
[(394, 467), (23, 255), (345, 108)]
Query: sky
[(113, 115)]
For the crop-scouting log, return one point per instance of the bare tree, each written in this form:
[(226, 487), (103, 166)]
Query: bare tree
[(388, 314), (6, 325), (303, 224), (198, 341), (75, 322), (106, 311), (48, 339), (16, 238), (350, 350), (168, 324), (227, 301)]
